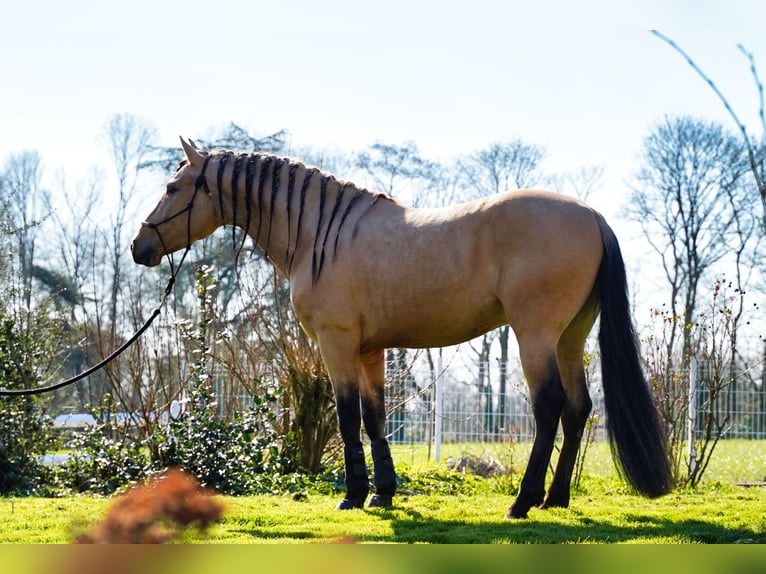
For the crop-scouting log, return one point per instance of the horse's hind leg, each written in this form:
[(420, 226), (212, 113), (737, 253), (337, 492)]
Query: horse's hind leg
[(573, 419), (547, 394), (570, 350), (374, 417)]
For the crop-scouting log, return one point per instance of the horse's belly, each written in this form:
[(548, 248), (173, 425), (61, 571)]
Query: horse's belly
[(441, 325)]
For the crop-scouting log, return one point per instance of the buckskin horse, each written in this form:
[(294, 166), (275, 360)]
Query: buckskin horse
[(367, 273)]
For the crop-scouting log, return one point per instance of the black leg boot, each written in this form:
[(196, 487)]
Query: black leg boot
[(357, 480), (384, 474)]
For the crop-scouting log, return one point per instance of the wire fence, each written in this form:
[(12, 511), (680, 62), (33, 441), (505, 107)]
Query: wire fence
[(469, 407)]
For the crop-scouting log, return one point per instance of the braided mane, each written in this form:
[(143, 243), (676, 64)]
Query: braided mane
[(281, 194)]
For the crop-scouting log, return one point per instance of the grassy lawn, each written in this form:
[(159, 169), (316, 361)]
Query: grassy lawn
[(601, 511), (479, 519), (734, 515)]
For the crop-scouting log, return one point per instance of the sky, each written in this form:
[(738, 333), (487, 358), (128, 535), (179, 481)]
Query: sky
[(586, 83), (584, 79)]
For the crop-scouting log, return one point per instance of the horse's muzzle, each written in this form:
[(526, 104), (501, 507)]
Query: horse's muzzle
[(145, 253)]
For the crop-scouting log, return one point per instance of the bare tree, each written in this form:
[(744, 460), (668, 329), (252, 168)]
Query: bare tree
[(691, 201), (27, 204), (686, 197), (76, 223), (502, 166), (236, 137), (754, 149), (101, 248), (396, 169), (579, 183), (757, 164), (129, 139)]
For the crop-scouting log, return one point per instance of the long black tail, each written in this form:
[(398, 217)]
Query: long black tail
[(633, 424)]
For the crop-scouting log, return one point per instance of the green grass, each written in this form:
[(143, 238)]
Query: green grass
[(711, 518), (732, 515), (601, 510)]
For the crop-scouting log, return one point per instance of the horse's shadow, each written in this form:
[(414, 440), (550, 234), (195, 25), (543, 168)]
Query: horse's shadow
[(530, 531), (412, 527)]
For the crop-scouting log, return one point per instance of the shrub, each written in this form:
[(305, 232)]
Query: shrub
[(104, 459), (232, 457), (26, 433), (25, 436)]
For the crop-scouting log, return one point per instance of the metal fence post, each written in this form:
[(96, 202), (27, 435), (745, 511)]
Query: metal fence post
[(692, 414), (438, 407)]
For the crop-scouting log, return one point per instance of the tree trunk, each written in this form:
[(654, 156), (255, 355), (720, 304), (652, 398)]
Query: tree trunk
[(503, 390)]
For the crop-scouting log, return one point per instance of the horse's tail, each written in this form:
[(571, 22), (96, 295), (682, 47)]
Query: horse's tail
[(633, 425)]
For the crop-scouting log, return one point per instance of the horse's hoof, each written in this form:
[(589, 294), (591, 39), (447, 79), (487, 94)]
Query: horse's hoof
[(522, 504), (380, 501), (349, 504), (516, 513), (554, 503)]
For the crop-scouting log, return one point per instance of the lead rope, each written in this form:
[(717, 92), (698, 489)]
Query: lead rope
[(101, 364), (201, 181)]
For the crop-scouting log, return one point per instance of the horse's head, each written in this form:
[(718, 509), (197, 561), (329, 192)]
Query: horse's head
[(184, 214)]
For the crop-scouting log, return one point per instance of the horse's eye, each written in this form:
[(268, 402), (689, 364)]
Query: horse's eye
[(171, 189)]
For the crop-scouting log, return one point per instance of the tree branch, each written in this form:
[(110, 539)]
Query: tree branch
[(759, 180)]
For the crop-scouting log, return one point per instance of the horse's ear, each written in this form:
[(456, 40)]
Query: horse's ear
[(192, 153)]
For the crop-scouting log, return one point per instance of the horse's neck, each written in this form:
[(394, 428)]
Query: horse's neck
[(297, 215), (256, 200)]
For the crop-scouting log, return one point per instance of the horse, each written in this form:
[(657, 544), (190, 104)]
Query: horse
[(367, 273)]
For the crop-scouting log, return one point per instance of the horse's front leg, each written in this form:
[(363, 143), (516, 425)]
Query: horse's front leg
[(349, 422), (374, 416), (341, 356)]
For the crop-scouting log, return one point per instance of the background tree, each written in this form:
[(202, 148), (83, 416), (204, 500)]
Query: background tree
[(396, 169), (686, 197), (579, 183), (129, 139), (753, 144), (502, 166), (26, 205), (29, 340), (691, 203)]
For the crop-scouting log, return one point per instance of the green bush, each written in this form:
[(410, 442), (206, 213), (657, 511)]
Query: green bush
[(26, 433), (439, 480), (25, 436), (103, 459), (232, 457)]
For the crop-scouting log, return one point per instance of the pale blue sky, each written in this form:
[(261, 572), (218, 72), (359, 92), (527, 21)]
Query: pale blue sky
[(452, 76), (584, 79)]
